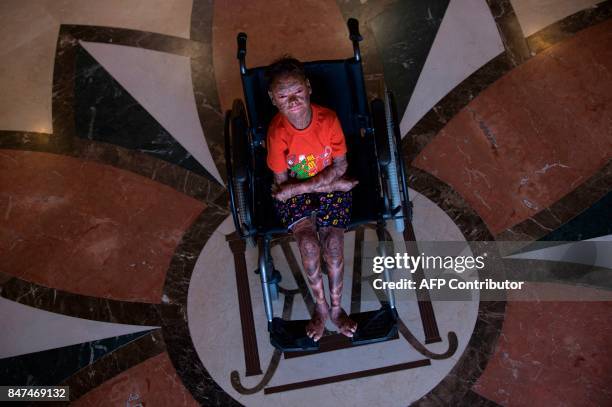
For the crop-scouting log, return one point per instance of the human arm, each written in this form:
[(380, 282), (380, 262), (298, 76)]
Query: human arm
[(279, 179), (329, 174), (329, 180)]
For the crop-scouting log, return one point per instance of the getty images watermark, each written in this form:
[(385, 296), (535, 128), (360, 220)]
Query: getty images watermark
[(458, 264), (488, 270)]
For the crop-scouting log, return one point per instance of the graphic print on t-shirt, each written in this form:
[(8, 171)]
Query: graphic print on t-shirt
[(306, 166), (308, 151)]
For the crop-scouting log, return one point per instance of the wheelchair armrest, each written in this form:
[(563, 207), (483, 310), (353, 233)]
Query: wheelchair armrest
[(380, 132)]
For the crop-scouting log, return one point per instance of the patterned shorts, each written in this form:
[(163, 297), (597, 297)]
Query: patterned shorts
[(332, 209)]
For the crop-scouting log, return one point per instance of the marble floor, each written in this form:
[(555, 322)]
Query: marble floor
[(121, 275)]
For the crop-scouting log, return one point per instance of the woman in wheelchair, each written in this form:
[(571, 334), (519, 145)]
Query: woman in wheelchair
[(307, 154)]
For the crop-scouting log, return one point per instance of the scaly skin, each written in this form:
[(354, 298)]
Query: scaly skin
[(291, 95), (305, 234), (332, 241)]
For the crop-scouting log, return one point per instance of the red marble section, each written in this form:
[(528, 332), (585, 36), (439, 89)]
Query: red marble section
[(552, 354), (152, 383), (534, 135), (308, 30), (88, 228)]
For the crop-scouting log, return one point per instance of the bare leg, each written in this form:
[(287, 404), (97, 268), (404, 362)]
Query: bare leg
[(332, 240), (305, 234)]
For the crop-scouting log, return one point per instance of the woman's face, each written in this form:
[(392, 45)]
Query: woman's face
[(291, 96)]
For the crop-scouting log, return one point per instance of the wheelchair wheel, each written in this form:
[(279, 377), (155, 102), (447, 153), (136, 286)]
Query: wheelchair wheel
[(393, 175), (387, 136), (237, 160)]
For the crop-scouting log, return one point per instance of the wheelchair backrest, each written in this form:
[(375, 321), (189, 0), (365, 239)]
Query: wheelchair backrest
[(337, 85)]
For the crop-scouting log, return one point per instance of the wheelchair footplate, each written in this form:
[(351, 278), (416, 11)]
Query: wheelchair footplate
[(375, 326), (372, 327), (291, 335)]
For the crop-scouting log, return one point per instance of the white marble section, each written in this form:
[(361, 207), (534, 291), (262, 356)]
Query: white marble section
[(162, 84), (28, 36), (214, 324), (534, 15), (26, 329), (592, 252), (467, 39)]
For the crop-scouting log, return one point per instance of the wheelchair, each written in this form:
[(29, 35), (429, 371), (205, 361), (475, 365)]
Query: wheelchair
[(373, 142)]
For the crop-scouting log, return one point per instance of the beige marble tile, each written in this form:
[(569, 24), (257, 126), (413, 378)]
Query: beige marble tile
[(214, 324), (26, 80), (533, 15), (27, 329), (161, 83), (467, 39), (28, 35), (593, 252)]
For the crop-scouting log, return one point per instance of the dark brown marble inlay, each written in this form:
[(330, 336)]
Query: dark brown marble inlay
[(347, 376), (510, 31), (80, 306), (249, 337)]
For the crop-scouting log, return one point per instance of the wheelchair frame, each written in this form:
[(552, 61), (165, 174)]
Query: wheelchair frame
[(244, 143)]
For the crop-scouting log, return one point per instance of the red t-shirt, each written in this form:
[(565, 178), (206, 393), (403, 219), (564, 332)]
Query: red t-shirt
[(305, 152)]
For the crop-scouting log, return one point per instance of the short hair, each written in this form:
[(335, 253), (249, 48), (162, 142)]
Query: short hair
[(286, 65)]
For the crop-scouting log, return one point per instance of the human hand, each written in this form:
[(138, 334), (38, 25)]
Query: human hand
[(284, 192), (345, 184)]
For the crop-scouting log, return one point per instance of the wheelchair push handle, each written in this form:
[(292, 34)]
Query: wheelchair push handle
[(353, 26), (355, 36), (242, 39)]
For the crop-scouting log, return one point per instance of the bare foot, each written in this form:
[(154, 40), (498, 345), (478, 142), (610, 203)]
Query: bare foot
[(346, 325), (316, 326)]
